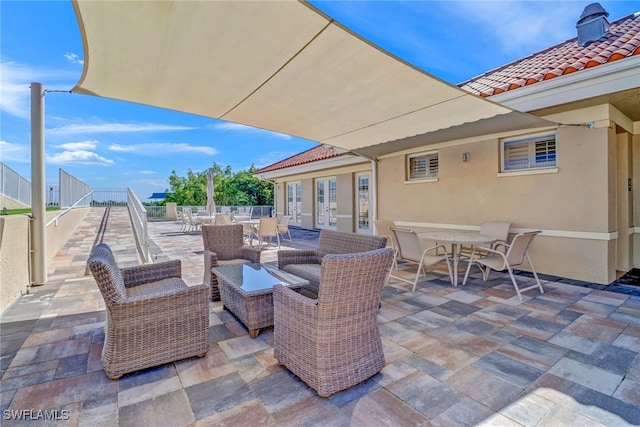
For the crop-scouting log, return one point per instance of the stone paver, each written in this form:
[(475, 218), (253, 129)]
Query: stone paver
[(470, 355)]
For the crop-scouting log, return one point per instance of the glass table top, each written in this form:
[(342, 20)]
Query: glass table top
[(257, 277)]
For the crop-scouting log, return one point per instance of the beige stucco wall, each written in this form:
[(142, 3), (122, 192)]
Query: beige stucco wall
[(583, 208), (14, 258), (6, 202), (577, 200), (14, 249), (59, 232)]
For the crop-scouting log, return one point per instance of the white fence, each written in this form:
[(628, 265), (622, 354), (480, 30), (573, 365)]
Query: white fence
[(138, 215), (14, 186), (73, 192)]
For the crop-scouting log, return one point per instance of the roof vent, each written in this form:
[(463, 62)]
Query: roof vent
[(592, 24)]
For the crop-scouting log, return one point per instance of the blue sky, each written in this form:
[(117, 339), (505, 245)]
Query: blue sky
[(109, 143)]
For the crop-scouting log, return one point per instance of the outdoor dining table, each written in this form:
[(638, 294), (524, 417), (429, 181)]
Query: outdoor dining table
[(253, 223), (206, 219), (457, 238)]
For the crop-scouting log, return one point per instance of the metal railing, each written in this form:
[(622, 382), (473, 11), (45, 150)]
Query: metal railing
[(138, 215), (104, 196), (14, 186), (159, 213)]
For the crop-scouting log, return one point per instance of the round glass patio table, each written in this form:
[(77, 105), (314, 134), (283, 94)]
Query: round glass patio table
[(457, 238)]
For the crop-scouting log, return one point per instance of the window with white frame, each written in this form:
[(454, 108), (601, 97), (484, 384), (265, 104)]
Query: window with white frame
[(422, 166), (533, 152)]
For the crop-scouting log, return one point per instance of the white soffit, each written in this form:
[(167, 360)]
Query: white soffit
[(276, 65)]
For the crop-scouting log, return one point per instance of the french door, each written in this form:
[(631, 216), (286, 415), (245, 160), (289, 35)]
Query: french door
[(326, 203), (363, 202), (294, 202)]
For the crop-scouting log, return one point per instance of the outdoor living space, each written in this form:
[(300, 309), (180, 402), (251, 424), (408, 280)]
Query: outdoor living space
[(467, 355)]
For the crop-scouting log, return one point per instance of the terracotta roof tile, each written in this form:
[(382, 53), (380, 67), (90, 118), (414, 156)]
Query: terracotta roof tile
[(622, 41), (320, 152)]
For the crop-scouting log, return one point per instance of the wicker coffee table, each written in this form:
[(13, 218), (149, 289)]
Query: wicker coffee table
[(247, 291)]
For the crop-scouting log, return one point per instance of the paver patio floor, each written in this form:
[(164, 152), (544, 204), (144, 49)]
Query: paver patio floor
[(456, 356)]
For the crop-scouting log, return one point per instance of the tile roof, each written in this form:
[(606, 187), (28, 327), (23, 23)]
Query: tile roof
[(320, 152), (622, 41)]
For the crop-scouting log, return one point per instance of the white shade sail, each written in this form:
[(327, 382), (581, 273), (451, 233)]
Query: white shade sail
[(276, 65)]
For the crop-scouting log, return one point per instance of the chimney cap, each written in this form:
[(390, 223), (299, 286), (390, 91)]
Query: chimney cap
[(591, 11)]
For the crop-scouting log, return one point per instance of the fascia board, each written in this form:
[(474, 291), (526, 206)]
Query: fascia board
[(601, 80), (336, 162)]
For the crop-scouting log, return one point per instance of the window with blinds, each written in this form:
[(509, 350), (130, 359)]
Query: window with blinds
[(422, 166), (535, 152)]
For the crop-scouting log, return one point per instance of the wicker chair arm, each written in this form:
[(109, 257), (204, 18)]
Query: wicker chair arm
[(294, 256), (251, 254), (188, 299), (140, 274), (211, 257), (296, 307)]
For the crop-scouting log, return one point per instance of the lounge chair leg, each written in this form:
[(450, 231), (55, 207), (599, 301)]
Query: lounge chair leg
[(253, 333)]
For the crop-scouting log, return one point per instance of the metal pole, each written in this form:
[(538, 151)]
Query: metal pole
[(38, 205)]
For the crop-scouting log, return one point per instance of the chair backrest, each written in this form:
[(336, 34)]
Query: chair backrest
[(222, 219), (409, 246), (268, 226), (350, 284), (519, 247), (382, 227), (496, 229), (107, 274), (225, 240), (189, 214), (183, 216), (340, 242), (283, 223)]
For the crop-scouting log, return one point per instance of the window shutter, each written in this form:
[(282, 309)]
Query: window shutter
[(530, 153), (423, 166)]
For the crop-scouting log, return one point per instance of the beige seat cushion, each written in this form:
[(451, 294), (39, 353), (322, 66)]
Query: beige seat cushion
[(311, 272), (158, 287), (233, 261)]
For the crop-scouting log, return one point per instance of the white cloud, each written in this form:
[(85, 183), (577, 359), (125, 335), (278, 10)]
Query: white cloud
[(162, 148), (81, 157), (15, 82), (73, 58), (15, 93), (88, 128), (82, 145), (237, 127), (522, 27), (14, 152), (148, 172)]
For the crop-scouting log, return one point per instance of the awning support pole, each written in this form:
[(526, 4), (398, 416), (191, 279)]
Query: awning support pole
[(38, 204)]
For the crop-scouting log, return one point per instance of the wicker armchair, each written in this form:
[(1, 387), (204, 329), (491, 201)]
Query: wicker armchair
[(333, 343), (306, 263), (153, 317), (224, 245)]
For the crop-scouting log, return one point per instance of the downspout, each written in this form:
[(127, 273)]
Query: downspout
[(374, 183), (275, 195)]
